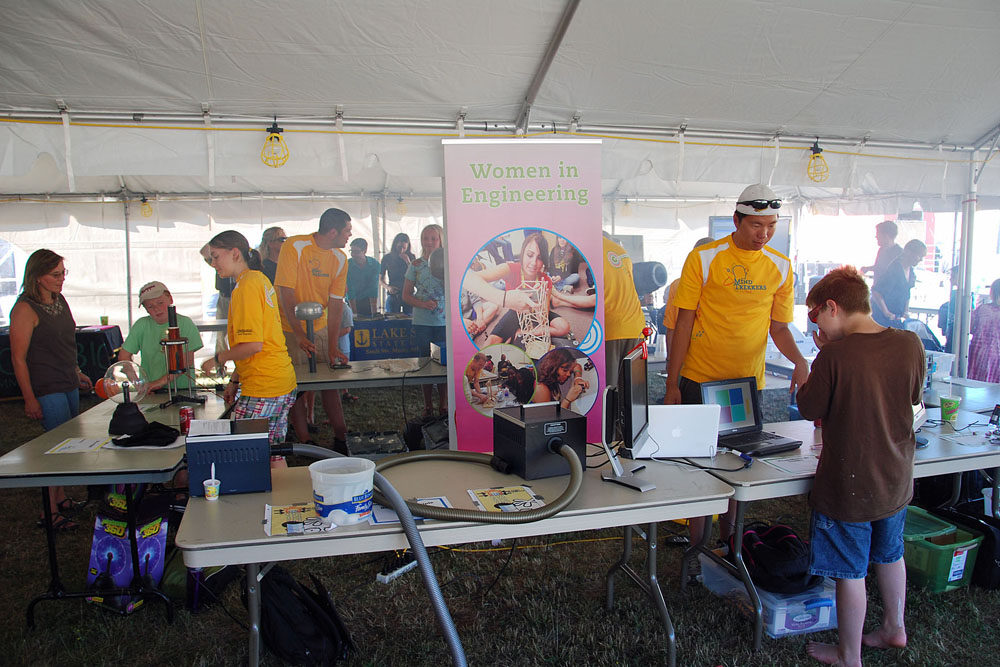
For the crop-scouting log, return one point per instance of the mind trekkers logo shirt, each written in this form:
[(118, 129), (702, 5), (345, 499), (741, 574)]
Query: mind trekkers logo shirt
[(735, 294), (738, 277)]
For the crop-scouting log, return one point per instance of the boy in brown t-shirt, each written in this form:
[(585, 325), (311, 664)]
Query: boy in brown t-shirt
[(862, 385)]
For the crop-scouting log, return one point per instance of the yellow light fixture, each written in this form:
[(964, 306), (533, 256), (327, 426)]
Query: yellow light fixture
[(817, 169), (400, 207), (275, 151), (146, 209)]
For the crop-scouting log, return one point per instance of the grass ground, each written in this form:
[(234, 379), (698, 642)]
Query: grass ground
[(530, 602)]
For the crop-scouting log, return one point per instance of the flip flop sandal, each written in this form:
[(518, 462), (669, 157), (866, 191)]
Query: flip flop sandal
[(60, 523), (69, 507)]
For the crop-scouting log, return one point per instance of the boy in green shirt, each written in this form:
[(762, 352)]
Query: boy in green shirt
[(146, 333)]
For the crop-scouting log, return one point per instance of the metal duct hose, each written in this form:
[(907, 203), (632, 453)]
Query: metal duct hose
[(392, 498), (456, 514)]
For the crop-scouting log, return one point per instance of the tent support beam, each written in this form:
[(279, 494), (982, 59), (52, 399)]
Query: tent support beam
[(962, 304), (521, 125), (192, 121)]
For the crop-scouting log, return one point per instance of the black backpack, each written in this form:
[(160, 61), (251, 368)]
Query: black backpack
[(300, 625), (776, 558)]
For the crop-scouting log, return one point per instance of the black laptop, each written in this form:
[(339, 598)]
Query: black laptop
[(740, 424)]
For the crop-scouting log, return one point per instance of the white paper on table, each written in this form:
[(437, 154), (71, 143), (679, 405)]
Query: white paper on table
[(795, 465), (382, 514), (968, 440), (77, 445), (210, 427), (179, 442)]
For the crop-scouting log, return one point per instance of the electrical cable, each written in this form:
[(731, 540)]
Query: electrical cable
[(510, 554)]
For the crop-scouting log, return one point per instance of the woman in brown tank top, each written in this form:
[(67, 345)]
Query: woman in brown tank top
[(43, 353)]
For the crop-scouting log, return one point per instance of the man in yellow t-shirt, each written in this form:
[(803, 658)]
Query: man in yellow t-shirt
[(623, 318), (733, 293), (313, 268)]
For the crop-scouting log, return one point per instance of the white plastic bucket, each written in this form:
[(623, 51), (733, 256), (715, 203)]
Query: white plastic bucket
[(342, 489)]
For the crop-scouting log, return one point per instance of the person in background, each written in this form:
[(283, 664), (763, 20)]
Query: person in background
[(146, 333), (263, 384), (864, 479), (362, 280), (888, 250), (669, 309), (623, 316), (733, 293), (948, 310), (891, 291), (984, 348), (43, 354), (393, 273), (563, 265), (425, 293), (313, 268), (269, 249), (344, 345)]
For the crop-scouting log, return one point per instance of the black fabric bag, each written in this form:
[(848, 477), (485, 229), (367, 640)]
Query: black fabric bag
[(301, 625), (153, 434), (776, 558)]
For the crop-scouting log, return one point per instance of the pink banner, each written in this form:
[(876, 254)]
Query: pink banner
[(526, 313)]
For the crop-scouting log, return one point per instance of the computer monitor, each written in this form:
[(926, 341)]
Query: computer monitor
[(634, 406)]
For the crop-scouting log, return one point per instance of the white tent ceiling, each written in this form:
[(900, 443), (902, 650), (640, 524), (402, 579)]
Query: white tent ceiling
[(897, 91)]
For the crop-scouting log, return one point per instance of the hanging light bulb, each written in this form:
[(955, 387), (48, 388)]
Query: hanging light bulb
[(626, 209), (146, 209), (817, 169), (400, 207), (275, 151)]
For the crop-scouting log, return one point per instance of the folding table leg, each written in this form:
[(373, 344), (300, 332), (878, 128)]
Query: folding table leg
[(649, 585), (253, 607)]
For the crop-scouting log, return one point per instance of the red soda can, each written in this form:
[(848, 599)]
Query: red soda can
[(186, 414)]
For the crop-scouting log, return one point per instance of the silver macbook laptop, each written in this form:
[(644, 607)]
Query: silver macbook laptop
[(740, 423), (683, 430)]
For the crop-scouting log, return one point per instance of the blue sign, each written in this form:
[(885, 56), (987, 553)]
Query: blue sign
[(383, 339)]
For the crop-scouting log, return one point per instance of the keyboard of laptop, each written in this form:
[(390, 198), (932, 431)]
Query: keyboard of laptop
[(734, 441), (740, 421)]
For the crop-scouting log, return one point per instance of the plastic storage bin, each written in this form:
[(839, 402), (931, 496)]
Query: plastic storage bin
[(784, 615), (938, 555)]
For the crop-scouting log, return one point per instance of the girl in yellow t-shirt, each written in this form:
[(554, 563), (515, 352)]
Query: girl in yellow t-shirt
[(264, 382)]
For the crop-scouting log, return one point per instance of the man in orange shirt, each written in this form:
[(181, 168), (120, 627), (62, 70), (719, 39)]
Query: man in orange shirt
[(313, 268)]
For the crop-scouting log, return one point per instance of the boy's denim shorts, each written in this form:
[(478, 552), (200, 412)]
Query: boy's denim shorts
[(842, 550)]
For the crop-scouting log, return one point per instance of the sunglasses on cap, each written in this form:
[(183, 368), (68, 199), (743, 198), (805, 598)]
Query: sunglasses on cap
[(761, 204)]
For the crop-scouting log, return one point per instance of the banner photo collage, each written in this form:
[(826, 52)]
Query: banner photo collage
[(523, 222)]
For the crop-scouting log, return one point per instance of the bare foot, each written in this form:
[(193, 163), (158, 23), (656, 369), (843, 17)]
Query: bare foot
[(825, 653), (884, 637)]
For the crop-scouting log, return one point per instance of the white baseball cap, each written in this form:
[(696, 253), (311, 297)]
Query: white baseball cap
[(151, 290), (764, 201)]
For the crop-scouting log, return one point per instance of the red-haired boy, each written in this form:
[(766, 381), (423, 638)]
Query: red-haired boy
[(862, 385)]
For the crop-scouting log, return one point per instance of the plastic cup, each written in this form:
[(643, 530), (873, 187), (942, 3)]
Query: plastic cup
[(949, 407), (104, 320), (342, 489), (211, 489)]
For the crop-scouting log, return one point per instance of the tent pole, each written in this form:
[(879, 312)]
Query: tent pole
[(963, 301), (128, 259)]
